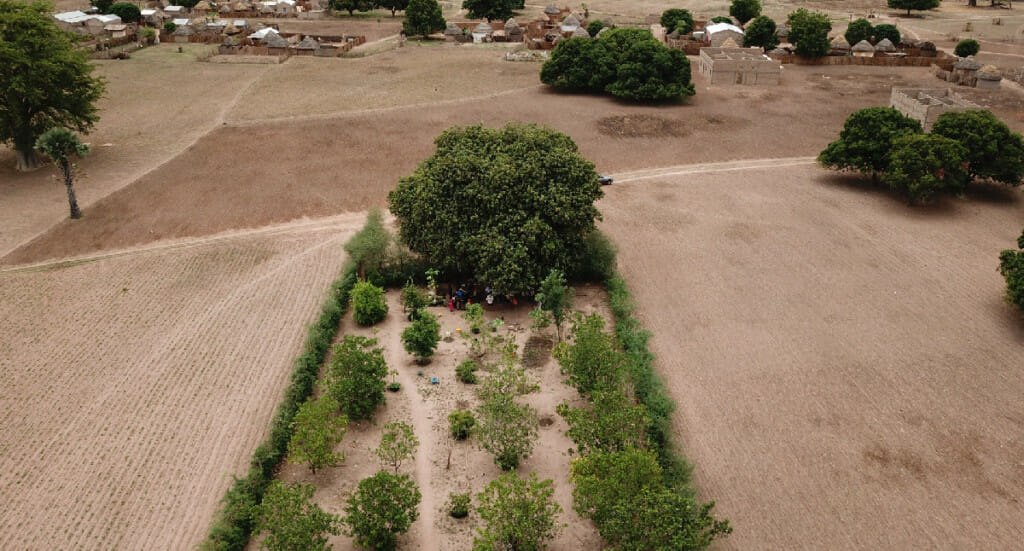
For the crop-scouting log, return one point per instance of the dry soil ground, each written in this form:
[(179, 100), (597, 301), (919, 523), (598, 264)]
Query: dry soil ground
[(132, 385), (824, 410)]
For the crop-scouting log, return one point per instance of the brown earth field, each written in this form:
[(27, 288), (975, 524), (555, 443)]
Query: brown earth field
[(134, 384), (250, 174), (845, 370), (846, 373)]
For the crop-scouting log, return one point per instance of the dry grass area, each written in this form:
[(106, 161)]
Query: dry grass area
[(158, 103), (444, 465), (135, 386), (421, 73), (847, 375)]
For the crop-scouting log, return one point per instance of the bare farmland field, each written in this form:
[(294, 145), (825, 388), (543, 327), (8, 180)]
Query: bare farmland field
[(136, 385), (847, 375)]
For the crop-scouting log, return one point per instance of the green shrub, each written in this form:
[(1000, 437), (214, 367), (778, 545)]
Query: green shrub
[(595, 27), (461, 423), (474, 316), (356, 377), (458, 504), (859, 29), (884, 31), (420, 339), (465, 372), (412, 298), (128, 12), (381, 508), (368, 303), (676, 20), (1011, 266), (721, 19), (170, 27), (967, 47)]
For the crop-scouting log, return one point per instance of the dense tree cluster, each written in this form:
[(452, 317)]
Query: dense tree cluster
[(491, 9), (677, 20), (885, 30), (423, 17), (859, 29), (808, 31), (627, 63), (619, 481), (47, 83), (355, 378), (962, 146), (502, 206)]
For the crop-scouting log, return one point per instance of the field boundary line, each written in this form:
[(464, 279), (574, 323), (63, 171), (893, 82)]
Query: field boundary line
[(304, 225), (376, 110), (704, 168)]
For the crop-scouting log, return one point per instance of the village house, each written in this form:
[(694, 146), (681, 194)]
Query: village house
[(717, 33), (739, 66)]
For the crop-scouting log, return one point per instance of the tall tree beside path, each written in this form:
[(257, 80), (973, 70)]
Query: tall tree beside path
[(745, 10), (518, 513), (291, 521), (59, 145), (920, 5), (808, 31), (44, 81), (866, 141)]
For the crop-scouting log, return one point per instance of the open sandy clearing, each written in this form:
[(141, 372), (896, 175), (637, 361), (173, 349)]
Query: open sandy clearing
[(134, 386), (846, 374)]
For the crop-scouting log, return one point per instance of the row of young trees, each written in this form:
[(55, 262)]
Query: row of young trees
[(862, 29), (626, 63), (961, 147), (619, 482)]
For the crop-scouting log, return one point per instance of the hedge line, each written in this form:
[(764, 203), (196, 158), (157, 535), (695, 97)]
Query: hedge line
[(234, 524), (648, 386)]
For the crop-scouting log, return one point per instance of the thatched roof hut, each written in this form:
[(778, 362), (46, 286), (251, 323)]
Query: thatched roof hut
[(571, 21), (231, 41), (580, 32), (231, 30), (863, 48), (840, 44), (308, 43), (201, 7), (483, 28), (885, 45), (552, 10), (452, 30), (184, 30), (274, 40), (989, 72)]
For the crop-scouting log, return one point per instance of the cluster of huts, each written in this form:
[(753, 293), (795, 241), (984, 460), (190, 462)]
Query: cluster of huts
[(92, 24), (968, 71), (270, 41), (542, 33)]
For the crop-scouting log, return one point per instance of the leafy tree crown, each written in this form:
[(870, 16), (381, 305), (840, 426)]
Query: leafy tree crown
[(745, 10)]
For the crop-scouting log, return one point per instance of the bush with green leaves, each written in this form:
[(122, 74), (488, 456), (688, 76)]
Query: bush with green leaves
[(745, 10), (421, 337), (595, 27), (368, 248), (461, 423), (1011, 266), (505, 428), (593, 360), (886, 30), (458, 504), (865, 143), (412, 298), (555, 298), (474, 316), (356, 377), (518, 513), (351, 5), (316, 430), (170, 27), (499, 205), (625, 495), (382, 507), (761, 32), (369, 305), (491, 9), (967, 47), (994, 152), (721, 19), (611, 422), (465, 371), (102, 5), (677, 20), (291, 521), (808, 31), (859, 29), (397, 444), (923, 165)]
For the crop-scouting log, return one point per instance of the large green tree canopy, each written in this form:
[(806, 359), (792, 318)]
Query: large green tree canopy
[(745, 10), (808, 31), (627, 63), (44, 81), (913, 5), (761, 32), (503, 206), (866, 141), (993, 150)]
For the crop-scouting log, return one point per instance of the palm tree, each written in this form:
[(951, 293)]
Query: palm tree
[(59, 144)]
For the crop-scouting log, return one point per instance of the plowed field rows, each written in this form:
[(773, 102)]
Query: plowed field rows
[(132, 387), (846, 373)]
